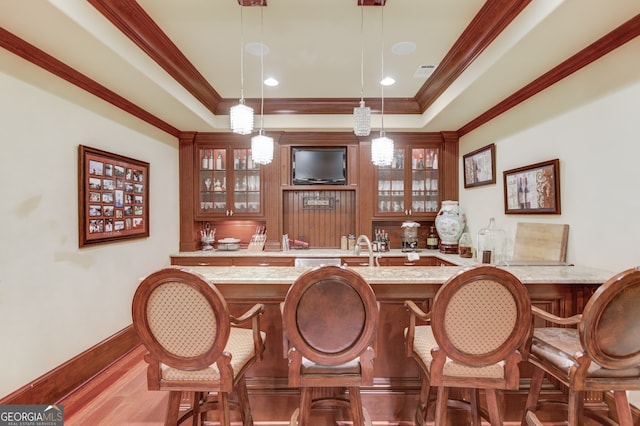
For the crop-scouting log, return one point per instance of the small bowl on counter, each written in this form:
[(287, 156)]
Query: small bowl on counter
[(229, 244)]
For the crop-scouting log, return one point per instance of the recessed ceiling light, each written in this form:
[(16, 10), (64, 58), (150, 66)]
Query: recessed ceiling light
[(257, 49), (403, 48), (271, 82), (387, 81)]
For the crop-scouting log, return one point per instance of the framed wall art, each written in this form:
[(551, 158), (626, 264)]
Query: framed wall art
[(533, 189), (480, 166), (113, 197)]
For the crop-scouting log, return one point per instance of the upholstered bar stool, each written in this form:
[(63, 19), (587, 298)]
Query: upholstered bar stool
[(330, 321), (597, 350), (194, 345), (478, 323)]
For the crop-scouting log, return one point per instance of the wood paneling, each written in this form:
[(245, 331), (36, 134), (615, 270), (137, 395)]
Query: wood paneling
[(320, 227)]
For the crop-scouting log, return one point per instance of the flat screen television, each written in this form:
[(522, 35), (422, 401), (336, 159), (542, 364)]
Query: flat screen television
[(319, 166)]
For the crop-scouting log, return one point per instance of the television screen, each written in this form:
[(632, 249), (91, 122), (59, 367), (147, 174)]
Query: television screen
[(312, 166)]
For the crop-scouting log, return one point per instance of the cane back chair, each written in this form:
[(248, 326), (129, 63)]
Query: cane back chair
[(193, 344)]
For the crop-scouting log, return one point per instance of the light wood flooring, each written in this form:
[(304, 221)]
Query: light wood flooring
[(119, 396)]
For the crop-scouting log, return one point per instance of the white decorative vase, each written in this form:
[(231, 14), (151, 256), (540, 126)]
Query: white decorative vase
[(449, 225)]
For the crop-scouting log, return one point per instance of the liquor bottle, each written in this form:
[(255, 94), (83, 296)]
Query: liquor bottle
[(219, 162), (205, 160), (432, 239)]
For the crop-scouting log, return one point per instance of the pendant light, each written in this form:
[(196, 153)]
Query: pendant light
[(382, 147), (362, 114), (262, 145), (241, 115)]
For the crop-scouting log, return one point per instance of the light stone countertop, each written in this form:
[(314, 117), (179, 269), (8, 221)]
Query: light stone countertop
[(401, 274), (385, 274)]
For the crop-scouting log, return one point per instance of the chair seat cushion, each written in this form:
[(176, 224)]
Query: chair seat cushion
[(240, 345), (348, 368), (557, 346), (424, 342)]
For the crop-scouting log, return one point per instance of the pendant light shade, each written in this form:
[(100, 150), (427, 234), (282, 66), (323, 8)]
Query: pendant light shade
[(362, 120), (262, 145), (262, 148), (362, 114), (382, 147), (382, 150), (241, 115)]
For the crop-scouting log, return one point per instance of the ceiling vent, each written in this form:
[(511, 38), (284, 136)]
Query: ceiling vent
[(424, 71)]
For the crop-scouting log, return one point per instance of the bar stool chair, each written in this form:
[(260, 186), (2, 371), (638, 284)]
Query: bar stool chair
[(330, 321), (193, 344), (601, 354), (479, 321)]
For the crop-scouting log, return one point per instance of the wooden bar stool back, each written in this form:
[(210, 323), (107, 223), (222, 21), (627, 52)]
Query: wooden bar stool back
[(330, 321), (478, 324), (193, 344), (598, 350)]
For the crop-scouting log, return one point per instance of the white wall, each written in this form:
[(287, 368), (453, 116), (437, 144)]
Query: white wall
[(57, 300), (590, 122)]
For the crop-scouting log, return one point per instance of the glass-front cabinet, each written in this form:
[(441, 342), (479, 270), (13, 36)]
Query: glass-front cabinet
[(409, 186), (229, 183)]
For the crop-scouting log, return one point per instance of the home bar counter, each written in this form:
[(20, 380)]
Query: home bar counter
[(562, 290)]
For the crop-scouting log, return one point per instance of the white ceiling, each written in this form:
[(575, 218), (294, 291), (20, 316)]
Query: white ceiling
[(314, 51)]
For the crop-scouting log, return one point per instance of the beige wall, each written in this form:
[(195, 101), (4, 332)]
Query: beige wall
[(590, 122), (57, 300)]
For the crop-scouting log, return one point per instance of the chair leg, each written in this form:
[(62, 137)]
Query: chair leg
[(223, 406), (622, 408), (576, 408), (475, 407), (195, 408), (534, 393), (441, 406), (243, 401), (173, 408), (355, 402), (495, 414), (304, 414), (423, 403)]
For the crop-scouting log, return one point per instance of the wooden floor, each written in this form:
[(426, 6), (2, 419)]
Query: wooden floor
[(119, 396)]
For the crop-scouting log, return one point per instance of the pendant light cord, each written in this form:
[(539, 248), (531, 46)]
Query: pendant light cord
[(241, 56), (361, 53), (382, 68), (261, 67)]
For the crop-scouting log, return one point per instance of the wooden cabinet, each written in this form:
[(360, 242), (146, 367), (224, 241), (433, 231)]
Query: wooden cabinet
[(410, 185), (232, 261), (229, 182), (423, 261)]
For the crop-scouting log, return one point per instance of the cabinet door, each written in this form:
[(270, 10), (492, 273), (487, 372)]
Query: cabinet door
[(424, 181), (246, 197), (229, 183), (410, 185), (212, 181), (390, 199)]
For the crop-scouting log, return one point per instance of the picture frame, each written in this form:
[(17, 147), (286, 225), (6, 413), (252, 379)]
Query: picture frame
[(480, 166), (113, 197), (533, 189)]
